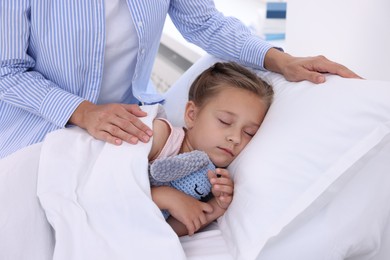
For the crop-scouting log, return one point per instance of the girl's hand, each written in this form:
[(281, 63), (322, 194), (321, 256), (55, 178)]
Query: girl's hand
[(222, 187), (189, 211)]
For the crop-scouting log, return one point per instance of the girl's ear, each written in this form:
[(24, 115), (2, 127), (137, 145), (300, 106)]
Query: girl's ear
[(190, 114)]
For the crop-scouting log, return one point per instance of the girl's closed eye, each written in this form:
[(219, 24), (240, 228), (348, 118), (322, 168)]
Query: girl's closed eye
[(250, 132), (224, 122), (225, 119)]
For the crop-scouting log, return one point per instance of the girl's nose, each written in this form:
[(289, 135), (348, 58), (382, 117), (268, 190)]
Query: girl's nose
[(234, 138)]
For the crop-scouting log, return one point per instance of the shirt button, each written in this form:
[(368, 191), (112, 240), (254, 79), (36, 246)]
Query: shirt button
[(140, 24)]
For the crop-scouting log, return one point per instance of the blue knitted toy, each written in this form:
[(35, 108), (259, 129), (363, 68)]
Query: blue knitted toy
[(186, 172)]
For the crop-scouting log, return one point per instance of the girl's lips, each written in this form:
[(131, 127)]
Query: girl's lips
[(228, 151)]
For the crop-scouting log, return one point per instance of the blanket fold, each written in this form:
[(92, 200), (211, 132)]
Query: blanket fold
[(97, 198)]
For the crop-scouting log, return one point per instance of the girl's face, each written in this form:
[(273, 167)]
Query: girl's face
[(224, 125)]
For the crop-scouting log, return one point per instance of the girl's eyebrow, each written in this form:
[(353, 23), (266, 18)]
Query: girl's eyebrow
[(229, 113)]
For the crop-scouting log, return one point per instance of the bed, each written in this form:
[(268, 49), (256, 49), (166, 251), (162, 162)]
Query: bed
[(312, 184)]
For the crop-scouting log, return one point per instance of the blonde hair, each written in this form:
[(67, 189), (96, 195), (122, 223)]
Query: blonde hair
[(209, 83)]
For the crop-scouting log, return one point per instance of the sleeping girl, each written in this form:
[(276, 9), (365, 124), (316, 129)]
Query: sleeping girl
[(227, 104)]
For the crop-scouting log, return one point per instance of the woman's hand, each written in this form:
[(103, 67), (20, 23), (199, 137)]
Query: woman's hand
[(304, 68), (222, 187), (112, 123)]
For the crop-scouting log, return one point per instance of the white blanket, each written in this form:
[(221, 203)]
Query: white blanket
[(97, 198)]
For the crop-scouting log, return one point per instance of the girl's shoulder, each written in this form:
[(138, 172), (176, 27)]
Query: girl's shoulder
[(161, 132)]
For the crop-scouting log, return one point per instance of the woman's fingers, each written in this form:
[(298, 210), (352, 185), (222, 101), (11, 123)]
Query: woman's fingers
[(112, 123)]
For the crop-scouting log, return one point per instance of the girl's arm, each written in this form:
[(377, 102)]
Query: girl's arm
[(161, 132), (188, 213), (222, 189), (181, 229)]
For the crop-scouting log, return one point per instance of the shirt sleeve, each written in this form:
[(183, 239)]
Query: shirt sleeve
[(226, 37), (20, 86)]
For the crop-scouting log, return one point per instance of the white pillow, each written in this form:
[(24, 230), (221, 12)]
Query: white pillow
[(310, 137)]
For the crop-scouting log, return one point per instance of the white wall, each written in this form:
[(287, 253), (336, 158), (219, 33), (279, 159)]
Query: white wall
[(354, 33)]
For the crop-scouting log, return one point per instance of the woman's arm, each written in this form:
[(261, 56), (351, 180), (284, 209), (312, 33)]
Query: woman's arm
[(25, 80), (51, 71), (228, 38)]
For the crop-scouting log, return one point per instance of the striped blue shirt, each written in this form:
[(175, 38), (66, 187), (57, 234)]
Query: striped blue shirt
[(51, 56)]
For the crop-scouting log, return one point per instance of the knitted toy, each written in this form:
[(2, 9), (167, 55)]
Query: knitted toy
[(186, 172)]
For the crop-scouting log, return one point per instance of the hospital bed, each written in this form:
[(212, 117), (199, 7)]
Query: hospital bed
[(314, 183)]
